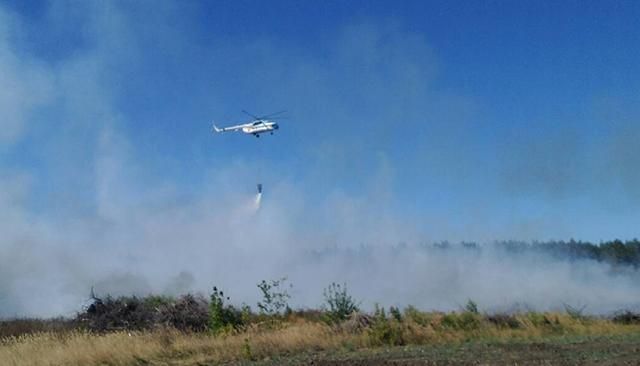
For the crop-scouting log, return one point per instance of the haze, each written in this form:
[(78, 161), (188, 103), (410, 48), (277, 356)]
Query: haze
[(409, 123)]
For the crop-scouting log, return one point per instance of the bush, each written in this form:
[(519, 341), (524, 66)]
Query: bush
[(419, 317), (462, 321), (626, 317), (246, 315), (356, 323), (274, 297), (339, 303), (574, 312), (187, 313), (384, 330), (222, 318), (549, 321), (471, 307), (395, 313), (504, 321), (157, 301), (122, 313)]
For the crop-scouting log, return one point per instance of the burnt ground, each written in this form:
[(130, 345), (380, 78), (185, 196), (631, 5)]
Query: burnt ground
[(600, 350)]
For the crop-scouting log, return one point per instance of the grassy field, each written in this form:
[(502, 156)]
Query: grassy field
[(412, 337), (558, 350)]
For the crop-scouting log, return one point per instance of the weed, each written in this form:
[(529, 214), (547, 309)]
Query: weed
[(340, 303), (384, 330), (471, 307), (246, 350), (395, 313), (626, 317), (222, 318), (575, 312), (274, 297), (302, 332), (504, 321), (461, 321), (422, 318)]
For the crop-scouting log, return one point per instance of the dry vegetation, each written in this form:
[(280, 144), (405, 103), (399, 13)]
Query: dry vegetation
[(193, 330), (295, 334)]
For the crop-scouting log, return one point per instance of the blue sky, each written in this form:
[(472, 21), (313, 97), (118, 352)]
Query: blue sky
[(495, 114), (409, 122)]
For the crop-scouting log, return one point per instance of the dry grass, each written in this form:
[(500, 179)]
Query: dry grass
[(294, 336), (17, 327), (79, 348), (125, 348)]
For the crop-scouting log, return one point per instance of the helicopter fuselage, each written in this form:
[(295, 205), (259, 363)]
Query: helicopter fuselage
[(259, 127), (255, 127)]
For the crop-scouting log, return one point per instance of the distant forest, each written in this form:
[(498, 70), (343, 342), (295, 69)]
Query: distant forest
[(615, 252)]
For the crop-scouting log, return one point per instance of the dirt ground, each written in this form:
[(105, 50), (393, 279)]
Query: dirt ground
[(621, 350)]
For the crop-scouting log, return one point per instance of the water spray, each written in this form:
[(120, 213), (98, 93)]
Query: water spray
[(258, 197)]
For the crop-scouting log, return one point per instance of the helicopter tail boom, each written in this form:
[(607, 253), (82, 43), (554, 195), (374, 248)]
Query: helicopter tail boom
[(215, 128)]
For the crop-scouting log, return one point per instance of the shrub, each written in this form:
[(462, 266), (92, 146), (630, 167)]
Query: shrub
[(462, 321), (339, 303), (122, 313), (471, 307), (468, 319), (356, 323), (503, 321), (187, 313), (246, 350), (626, 317), (395, 313), (274, 297), (157, 301), (544, 320), (419, 317), (246, 315), (575, 312), (222, 318), (384, 330)]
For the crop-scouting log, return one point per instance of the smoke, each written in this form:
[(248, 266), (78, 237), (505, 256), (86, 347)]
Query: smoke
[(221, 239), (101, 187), (256, 202), (228, 244)]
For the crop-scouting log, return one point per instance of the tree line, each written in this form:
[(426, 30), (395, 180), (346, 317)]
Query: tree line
[(615, 252)]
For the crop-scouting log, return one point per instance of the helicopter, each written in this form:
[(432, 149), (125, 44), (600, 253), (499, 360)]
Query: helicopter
[(256, 126)]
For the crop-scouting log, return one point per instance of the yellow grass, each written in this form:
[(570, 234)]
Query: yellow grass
[(298, 335)]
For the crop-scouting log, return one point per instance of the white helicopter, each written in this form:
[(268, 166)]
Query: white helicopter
[(254, 127)]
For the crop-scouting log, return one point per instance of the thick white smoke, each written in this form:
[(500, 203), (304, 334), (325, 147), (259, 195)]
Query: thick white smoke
[(223, 240)]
